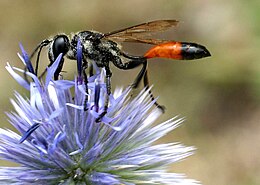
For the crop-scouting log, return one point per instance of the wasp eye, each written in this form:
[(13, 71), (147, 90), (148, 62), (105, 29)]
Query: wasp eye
[(60, 45)]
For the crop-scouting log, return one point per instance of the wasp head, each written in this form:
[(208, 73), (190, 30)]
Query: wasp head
[(60, 44)]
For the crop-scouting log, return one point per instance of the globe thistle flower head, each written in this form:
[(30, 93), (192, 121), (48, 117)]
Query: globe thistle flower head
[(59, 142)]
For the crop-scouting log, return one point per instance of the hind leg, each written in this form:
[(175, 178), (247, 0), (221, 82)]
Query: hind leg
[(134, 62)]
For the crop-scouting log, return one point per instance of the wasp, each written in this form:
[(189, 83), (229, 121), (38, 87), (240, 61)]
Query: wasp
[(104, 48)]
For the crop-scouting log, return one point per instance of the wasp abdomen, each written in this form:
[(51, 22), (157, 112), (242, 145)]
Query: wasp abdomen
[(178, 50)]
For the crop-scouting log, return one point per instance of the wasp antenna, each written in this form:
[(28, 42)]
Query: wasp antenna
[(39, 47), (42, 44)]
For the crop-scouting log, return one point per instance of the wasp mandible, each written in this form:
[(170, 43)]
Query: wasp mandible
[(103, 48)]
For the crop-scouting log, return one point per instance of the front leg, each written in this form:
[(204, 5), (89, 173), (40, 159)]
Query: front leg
[(108, 88), (84, 68)]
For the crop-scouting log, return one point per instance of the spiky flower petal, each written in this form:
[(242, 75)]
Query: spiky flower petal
[(61, 143)]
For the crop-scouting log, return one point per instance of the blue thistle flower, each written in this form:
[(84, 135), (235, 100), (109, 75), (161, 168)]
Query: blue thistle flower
[(61, 143)]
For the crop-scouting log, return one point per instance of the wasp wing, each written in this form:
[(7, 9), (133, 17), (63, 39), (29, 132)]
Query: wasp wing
[(138, 32)]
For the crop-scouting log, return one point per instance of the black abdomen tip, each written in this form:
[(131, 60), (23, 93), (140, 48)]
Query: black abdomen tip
[(192, 51)]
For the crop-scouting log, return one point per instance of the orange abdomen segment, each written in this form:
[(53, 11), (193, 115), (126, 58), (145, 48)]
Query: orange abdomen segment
[(171, 50)]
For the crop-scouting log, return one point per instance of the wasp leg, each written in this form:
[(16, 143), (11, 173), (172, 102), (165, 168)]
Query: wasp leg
[(84, 67), (146, 84), (59, 68), (91, 72), (108, 87), (142, 74), (133, 63)]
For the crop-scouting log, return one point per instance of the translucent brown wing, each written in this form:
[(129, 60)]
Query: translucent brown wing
[(138, 32)]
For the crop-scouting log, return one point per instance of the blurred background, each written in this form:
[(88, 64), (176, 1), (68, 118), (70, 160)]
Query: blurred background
[(219, 96)]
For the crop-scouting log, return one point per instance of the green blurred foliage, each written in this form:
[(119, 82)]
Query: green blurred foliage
[(219, 96)]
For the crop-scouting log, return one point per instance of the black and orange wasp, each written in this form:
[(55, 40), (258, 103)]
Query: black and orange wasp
[(103, 48)]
